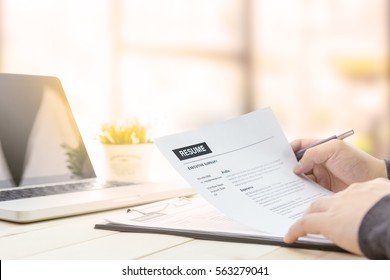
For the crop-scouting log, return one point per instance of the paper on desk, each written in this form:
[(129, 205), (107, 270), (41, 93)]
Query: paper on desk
[(244, 167), (191, 214)]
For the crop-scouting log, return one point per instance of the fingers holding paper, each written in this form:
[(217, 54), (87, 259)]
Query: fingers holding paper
[(339, 216), (321, 218)]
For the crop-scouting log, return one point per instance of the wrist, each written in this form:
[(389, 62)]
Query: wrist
[(378, 169)]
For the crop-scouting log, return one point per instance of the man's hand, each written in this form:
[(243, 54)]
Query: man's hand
[(336, 164), (338, 217)]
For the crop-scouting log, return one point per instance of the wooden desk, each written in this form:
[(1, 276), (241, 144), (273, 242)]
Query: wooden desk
[(75, 238)]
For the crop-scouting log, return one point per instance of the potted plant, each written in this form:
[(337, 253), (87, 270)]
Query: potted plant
[(125, 149)]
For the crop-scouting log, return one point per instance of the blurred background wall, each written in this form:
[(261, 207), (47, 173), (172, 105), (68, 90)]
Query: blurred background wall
[(321, 65)]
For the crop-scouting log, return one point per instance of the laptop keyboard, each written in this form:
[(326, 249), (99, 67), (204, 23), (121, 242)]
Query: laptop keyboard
[(19, 193)]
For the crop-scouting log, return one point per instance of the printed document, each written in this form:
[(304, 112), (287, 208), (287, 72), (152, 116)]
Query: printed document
[(196, 218), (244, 168)]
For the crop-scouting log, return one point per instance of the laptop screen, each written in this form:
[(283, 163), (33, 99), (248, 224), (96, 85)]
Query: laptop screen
[(39, 139)]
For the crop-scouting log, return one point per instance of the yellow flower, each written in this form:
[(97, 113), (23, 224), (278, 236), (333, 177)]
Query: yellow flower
[(127, 132)]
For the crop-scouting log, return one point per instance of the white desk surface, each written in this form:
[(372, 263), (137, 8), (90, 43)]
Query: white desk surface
[(74, 238)]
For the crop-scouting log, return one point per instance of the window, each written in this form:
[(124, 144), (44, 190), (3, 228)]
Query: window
[(321, 65), (323, 68), (179, 61)]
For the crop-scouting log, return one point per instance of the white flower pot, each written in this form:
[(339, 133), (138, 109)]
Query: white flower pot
[(123, 163)]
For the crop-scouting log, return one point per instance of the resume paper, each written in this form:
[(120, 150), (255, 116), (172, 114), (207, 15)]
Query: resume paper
[(244, 167)]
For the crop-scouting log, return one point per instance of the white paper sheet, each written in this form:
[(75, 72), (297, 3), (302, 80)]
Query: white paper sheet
[(244, 167), (191, 214)]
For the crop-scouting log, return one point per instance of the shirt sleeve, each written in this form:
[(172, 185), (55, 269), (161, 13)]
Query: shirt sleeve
[(387, 161), (374, 231)]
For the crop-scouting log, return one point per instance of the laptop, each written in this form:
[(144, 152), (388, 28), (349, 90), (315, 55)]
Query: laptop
[(45, 170)]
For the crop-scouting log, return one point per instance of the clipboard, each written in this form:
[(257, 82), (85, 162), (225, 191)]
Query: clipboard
[(152, 219)]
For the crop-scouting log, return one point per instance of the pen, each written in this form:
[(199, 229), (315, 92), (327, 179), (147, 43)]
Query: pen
[(299, 153)]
